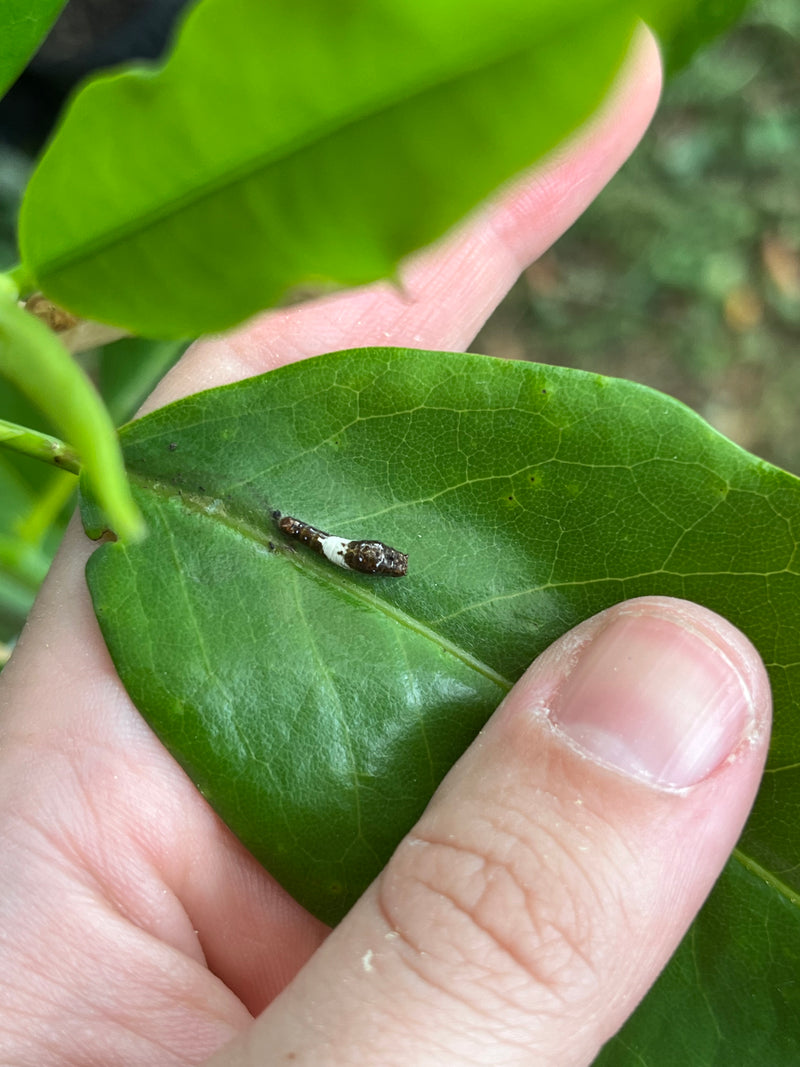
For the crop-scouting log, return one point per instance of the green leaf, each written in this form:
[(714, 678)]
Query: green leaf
[(729, 998), (286, 145), (317, 708), (23, 26), (34, 360)]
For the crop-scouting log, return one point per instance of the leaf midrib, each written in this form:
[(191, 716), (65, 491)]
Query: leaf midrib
[(323, 572), (245, 170)]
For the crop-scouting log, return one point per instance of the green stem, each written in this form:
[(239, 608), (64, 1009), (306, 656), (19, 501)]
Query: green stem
[(20, 278), (23, 570), (9, 289), (47, 507), (39, 445), (34, 359)]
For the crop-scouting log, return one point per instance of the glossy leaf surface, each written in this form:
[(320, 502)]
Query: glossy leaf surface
[(729, 996), (288, 144), (317, 708)]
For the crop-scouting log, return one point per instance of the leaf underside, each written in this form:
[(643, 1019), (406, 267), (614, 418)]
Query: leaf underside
[(294, 145), (317, 709)]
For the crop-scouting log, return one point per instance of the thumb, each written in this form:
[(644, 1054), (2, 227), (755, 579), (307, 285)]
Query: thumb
[(558, 865)]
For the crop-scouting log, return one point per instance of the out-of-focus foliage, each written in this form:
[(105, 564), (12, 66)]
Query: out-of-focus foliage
[(14, 170), (685, 273)]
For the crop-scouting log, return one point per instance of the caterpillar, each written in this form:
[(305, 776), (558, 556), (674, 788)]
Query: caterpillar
[(368, 557)]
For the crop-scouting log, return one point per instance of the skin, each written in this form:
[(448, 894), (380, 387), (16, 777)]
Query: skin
[(545, 887)]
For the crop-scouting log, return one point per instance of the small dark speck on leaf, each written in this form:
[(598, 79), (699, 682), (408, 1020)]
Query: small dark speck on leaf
[(172, 446)]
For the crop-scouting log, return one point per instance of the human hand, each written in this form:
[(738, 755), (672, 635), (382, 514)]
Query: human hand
[(540, 894)]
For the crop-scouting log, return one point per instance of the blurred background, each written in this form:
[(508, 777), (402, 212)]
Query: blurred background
[(683, 275), (685, 272)]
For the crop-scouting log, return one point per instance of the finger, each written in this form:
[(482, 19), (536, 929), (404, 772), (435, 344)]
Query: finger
[(557, 867), (449, 290)]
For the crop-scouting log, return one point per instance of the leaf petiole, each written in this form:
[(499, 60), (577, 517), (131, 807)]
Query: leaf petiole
[(39, 445), (10, 284)]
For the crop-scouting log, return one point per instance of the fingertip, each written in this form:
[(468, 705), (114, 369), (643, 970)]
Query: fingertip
[(664, 690), (583, 866), (545, 886)]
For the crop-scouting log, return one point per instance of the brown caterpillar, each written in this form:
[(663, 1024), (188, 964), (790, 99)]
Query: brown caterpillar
[(368, 557)]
